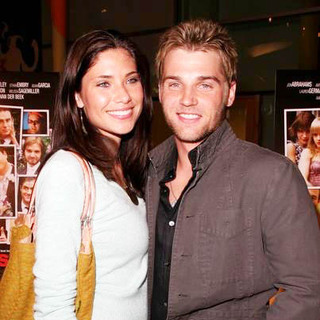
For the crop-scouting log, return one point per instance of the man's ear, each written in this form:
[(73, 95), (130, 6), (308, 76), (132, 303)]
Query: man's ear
[(231, 94), (159, 92), (78, 99)]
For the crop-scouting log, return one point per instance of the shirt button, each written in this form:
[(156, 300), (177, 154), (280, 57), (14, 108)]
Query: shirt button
[(165, 304), (171, 223)]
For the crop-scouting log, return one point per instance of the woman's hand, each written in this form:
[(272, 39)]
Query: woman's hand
[(12, 135)]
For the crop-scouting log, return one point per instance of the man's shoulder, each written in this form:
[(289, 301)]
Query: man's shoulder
[(262, 159), (250, 149), (22, 168)]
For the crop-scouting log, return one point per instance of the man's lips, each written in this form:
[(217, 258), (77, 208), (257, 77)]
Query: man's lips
[(189, 116)]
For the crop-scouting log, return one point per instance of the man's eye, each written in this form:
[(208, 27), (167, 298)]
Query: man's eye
[(205, 86), (174, 85)]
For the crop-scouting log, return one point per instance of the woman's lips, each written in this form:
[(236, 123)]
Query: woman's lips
[(121, 114)]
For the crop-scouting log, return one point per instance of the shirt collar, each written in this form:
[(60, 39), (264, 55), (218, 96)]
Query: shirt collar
[(165, 154)]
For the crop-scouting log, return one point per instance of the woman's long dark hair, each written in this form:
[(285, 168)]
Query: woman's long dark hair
[(302, 122), (68, 130)]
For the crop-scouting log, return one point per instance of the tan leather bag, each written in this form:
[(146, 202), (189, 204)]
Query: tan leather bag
[(16, 286)]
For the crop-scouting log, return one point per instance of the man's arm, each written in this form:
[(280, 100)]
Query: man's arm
[(292, 246)]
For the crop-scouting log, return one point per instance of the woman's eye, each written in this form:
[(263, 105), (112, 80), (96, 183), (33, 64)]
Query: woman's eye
[(133, 80), (103, 84)]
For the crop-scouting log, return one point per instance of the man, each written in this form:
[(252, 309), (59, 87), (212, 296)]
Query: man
[(26, 187), (7, 132), (33, 151), (35, 123), (230, 223), (7, 180)]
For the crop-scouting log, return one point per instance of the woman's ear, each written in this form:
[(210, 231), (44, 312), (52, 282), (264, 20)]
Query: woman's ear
[(79, 102)]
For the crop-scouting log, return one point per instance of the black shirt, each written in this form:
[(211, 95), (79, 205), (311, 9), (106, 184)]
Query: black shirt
[(165, 227)]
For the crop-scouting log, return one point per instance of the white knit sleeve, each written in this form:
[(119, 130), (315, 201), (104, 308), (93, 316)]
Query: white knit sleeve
[(59, 202)]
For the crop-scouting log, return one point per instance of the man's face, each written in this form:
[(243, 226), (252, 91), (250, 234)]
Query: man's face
[(33, 123), (6, 124), (32, 153), (26, 191), (194, 93), (3, 161)]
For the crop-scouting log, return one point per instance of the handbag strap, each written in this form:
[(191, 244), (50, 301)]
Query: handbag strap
[(89, 196)]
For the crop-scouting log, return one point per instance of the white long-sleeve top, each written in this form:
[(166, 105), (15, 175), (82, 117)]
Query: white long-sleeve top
[(120, 240)]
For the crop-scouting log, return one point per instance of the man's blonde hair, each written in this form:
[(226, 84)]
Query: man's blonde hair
[(203, 35)]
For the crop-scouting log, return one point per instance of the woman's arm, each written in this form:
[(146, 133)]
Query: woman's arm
[(291, 152), (59, 201), (304, 164)]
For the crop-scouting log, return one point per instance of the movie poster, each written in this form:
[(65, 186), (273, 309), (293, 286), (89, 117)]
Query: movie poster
[(298, 107), (26, 103)]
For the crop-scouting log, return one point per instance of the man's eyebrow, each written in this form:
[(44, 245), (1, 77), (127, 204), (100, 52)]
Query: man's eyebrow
[(171, 78), (215, 79), (201, 78)]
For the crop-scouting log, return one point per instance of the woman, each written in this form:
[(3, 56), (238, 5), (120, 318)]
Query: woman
[(310, 158), (299, 135), (103, 112)]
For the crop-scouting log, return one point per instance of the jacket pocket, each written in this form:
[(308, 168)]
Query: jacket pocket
[(223, 223), (223, 254)]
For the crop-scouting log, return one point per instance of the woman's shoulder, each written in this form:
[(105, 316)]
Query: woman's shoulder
[(291, 144), (61, 164), (306, 153)]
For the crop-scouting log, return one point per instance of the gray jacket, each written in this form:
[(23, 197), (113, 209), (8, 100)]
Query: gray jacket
[(245, 226)]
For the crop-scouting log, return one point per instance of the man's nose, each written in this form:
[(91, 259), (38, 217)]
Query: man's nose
[(188, 97)]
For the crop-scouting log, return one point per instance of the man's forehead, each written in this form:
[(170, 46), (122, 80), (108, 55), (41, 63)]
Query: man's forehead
[(5, 114), (34, 116), (193, 60), (34, 145), (28, 183)]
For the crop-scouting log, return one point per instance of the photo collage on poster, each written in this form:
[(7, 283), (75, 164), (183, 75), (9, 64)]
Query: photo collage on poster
[(302, 146), (24, 141)]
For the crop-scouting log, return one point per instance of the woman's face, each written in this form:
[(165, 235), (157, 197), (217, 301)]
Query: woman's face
[(303, 137), (316, 139), (112, 94)]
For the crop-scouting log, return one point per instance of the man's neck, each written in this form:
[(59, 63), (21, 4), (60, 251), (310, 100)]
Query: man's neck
[(6, 139), (32, 165), (183, 170), (183, 148)]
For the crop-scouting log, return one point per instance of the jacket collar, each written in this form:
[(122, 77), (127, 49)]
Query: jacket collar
[(203, 153)]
